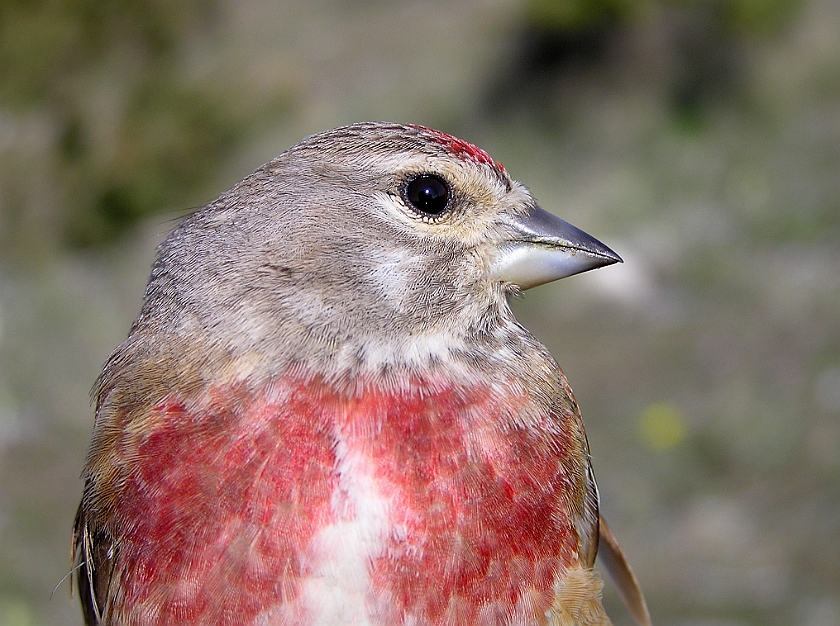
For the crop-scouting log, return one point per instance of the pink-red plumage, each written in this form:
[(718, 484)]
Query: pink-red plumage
[(475, 501), (461, 149)]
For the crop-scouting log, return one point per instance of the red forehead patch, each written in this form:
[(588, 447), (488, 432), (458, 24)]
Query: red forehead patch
[(460, 148)]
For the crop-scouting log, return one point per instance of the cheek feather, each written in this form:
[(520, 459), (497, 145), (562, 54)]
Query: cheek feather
[(425, 505), (393, 273)]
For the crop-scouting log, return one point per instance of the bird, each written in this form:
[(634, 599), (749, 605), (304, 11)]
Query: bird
[(327, 413)]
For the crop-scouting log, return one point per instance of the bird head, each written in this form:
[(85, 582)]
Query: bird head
[(370, 245)]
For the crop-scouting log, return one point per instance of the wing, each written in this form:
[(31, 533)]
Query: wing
[(94, 556), (614, 561)]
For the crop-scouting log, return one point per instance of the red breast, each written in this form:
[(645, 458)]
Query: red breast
[(411, 506)]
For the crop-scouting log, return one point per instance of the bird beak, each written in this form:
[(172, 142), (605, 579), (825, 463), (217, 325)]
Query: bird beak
[(541, 248)]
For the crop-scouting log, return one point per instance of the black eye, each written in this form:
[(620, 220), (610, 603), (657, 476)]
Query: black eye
[(428, 194)]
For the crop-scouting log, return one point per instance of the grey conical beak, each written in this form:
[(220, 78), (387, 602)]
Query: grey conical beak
[(541, 247)]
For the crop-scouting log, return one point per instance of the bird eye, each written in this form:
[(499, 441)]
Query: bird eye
[(428, 194)]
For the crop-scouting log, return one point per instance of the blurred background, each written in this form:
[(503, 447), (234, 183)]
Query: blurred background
[(699, 139)]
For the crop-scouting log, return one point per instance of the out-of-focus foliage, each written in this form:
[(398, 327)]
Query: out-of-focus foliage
[(101, 110), (745, 16), (696, 55), (47, 44)]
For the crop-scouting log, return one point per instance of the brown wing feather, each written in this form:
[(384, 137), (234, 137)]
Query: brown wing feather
[(612, 558), (94, 552)]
